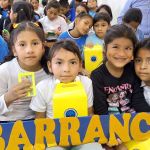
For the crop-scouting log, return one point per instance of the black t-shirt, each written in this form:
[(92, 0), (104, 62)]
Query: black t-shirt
[(117, 95)]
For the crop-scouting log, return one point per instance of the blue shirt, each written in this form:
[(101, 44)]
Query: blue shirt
[(3, 49), (144, 6), (93, 39), (139, 35), (92, 13), (79, 41)]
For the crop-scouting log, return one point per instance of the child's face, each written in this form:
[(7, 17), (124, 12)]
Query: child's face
[(83, 25), (103, 10), (134, 25), (52, 13), (65, 65), (80, 9), (35, 4), (29, 50), (142, 65), (64, 10), (5, 3), (100, 28), (119, 52), (91, 4)]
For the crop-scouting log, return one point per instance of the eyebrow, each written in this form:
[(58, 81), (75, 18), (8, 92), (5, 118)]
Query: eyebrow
[(69, 59)]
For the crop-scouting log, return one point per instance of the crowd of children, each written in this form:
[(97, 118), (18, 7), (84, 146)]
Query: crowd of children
[(50, 42)]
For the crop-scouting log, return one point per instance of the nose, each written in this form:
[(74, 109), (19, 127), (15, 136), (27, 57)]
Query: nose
[(29, 49), (143, 65), (66, 68), (122, 52)]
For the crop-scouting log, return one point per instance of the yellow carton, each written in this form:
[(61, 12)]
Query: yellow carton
[(31, 77), (142, 145), (70, 100), (93, 57)]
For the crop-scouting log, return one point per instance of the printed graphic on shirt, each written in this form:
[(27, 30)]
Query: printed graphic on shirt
[(117, 99)]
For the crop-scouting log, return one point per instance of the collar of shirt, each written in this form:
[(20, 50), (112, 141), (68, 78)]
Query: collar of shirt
[(76, 79)]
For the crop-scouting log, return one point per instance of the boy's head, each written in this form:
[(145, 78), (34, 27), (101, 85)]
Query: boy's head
[(64, 6), (133, 18), (35, 4), (142, 60), (101, 23), (52, 9), (5, 4), (92, 4)]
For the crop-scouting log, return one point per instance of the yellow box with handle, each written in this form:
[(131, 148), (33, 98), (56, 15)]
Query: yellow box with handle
[(70, 100), (93, 57), (140, 145)]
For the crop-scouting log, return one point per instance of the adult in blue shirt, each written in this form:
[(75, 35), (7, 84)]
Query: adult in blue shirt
[(3, 49), (144, 6)]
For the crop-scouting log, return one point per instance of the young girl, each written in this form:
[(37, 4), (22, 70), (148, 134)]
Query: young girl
[(105, 9), (80, 8), (37, 8), (28, 56), (142, 66), (64, 62), (20, 11), (101, 23), (115, 86), (53, 24), (92, 5), (82, 25)]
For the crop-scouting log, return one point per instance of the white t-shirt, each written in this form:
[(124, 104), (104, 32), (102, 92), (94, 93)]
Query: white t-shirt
[(146, 92), (58, 24), (19, 109), (40, 11), (43, 100)]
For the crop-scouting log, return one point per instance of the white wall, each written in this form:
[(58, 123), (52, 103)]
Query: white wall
[(115, 5)]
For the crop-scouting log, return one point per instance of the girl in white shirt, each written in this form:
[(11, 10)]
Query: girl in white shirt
[(64, 62), (27, 56)]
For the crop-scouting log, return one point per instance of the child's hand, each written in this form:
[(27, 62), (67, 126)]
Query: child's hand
[(5, 35), (58, 32), (18, 91), (121, 147), (89, 45), (85, 72)]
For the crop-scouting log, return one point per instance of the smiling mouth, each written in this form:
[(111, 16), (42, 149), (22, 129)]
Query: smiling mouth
[(143, 73), (120, 59)]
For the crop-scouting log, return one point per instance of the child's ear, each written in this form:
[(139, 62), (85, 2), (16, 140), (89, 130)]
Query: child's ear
[(76, 21), (14, 51), (49, 66), (80, 65), (15, 15), (132, 57)]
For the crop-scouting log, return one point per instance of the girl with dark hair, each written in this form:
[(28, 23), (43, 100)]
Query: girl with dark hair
[(115, 86), (27, 44), (65, 63), (20, 11), (105, 9), (78, 34)]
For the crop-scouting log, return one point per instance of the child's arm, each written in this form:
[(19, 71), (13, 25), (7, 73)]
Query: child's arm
[(40, 114), (138, 101), (100, 103), (38, 103), (90, 111)]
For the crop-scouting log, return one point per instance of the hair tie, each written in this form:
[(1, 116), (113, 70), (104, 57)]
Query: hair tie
[(15, 25)]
